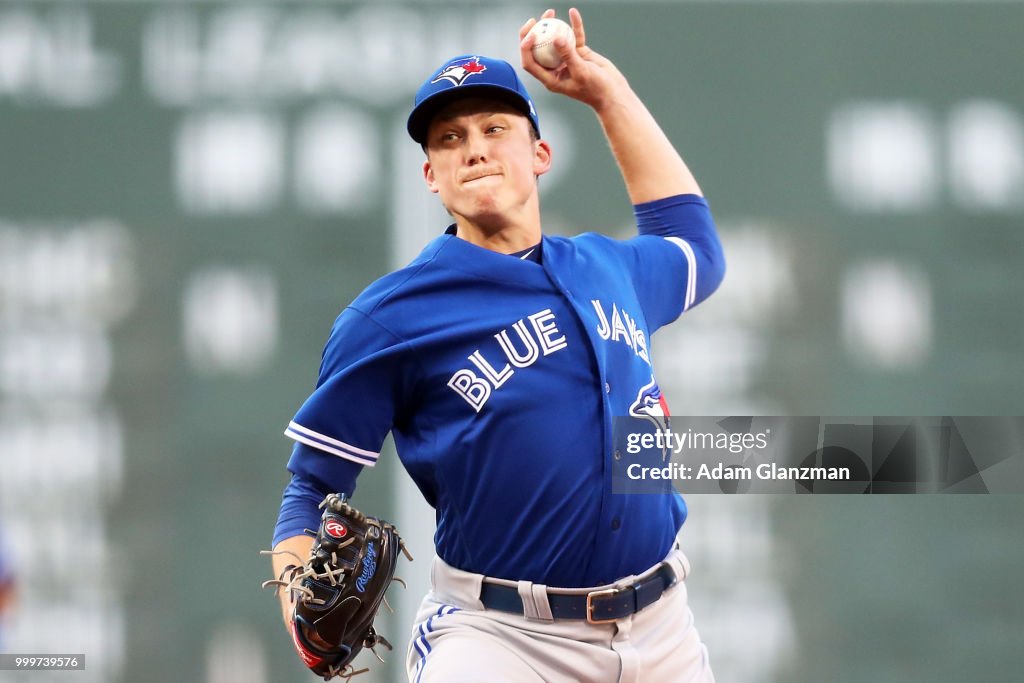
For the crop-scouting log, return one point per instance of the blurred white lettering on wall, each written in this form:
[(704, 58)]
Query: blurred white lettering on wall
[(887, 314), (51, 56), (986, 156), (229, 162), (65, 285), (902, 157), (230, 319), (883, 156), (337, 160)]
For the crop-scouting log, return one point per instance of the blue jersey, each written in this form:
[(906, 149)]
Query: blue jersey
[(499, 379)]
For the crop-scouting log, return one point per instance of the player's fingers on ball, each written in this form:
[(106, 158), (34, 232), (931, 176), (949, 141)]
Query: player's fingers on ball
[(576, 21), (526, 52), (567, 50), (539, 72), (527, 40), (548, 13), (525, 29), (530, 64)]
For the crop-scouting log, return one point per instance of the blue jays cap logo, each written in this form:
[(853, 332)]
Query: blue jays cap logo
[(495, 78), (458, 71)]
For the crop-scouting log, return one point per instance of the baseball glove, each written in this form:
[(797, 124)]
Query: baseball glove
[(339, 588)]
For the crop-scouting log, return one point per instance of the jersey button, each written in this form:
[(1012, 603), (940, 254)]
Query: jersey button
[(617, 455), (616, 524), (607, 388)]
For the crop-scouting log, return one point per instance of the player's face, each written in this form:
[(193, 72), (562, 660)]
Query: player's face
[(483, 160)]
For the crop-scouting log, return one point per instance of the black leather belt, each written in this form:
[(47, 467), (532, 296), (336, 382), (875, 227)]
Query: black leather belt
[(597, 607)]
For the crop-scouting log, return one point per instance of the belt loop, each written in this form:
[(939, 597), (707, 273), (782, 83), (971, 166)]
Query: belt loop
[(540, 596), (680, 565), (535, 601)]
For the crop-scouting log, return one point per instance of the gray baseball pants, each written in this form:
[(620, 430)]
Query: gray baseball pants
[(456, 640)]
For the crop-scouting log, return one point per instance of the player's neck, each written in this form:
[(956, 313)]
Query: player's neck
[(503, 236)]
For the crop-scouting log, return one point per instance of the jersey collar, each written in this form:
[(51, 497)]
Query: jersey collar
[(458, 254)]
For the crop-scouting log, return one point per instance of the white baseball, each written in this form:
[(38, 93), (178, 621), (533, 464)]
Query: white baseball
[(544, 50)]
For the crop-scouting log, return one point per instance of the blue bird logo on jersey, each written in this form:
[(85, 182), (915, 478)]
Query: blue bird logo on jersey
[(458, 71), (651, 405)]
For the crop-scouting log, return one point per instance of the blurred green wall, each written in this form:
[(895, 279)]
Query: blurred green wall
[(190, 192)]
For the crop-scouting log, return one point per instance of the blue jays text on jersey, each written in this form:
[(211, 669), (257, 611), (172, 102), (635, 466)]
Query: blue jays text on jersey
[(499, 379), (541, 336), (629, 332)]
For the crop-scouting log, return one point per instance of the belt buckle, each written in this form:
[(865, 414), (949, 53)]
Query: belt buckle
[(590, 605)]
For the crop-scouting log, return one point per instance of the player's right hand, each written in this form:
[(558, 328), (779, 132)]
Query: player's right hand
[(584, 74)]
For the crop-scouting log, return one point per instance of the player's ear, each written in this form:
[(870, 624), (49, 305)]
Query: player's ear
[(428, 176), (541, 157)]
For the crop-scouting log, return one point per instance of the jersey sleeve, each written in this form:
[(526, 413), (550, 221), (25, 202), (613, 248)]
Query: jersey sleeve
[(366, 375), (677, 261)]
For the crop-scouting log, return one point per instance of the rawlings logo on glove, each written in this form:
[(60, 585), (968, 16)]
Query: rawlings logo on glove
[(338, 590), (369, 568)]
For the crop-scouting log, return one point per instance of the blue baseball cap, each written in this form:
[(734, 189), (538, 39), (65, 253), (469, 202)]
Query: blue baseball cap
[(468, 76)]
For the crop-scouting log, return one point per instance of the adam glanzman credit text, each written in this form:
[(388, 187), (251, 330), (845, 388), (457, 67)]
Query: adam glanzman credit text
[(735, 443)]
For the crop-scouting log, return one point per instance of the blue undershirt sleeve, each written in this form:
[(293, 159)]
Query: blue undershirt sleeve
[(677, 259), (314, 475)]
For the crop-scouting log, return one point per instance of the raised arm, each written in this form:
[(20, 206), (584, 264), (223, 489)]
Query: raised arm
[(651, 167), (667, 201)]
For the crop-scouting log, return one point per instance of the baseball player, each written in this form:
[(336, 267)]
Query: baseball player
[(498, 359)]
